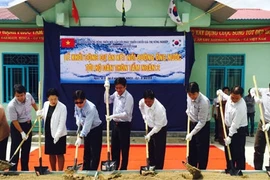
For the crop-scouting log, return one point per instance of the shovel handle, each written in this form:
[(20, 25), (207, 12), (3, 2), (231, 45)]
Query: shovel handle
[(76, 152), (188, 131), (108, 114), (146, 142), (78, 136), (223, 125), (39, 120), (261, 113)]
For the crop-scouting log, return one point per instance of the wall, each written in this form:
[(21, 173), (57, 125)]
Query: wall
[(257, 63)]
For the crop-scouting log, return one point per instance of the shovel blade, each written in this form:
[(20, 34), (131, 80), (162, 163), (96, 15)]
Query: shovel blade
[(267, 170), (4, 165), (234, 172), (76, 167), (41, 170), (145, 169), (108, 165)]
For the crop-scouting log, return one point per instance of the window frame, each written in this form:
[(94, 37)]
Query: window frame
[(226, 68), (25, 69)]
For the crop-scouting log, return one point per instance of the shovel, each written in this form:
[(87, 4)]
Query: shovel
[(196, 173), (263, 123), (145, 170), (76, 166), (232, 171), (40, 170), (8, 164), (108, 165)]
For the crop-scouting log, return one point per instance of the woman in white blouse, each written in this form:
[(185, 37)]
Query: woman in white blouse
[(54, 114)]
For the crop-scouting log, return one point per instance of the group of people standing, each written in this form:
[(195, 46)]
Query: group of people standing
[(153, 113), (54, 114), (237, 113)]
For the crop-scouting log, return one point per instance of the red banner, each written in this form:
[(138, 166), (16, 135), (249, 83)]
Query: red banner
[(21, 35), (231, 36)]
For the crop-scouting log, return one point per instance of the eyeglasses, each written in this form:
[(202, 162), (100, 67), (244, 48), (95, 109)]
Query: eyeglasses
[(78, 102)]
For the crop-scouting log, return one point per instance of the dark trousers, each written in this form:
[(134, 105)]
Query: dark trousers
[(259, 147), (16, 139), (199, 147), (157, 148), (250, 120), (121, 143), (92, 149), (237, 148), (216, 127), (3, 149)]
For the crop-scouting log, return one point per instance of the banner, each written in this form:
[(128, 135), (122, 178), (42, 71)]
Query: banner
[(21, 35), (231, 36), (140, 59)]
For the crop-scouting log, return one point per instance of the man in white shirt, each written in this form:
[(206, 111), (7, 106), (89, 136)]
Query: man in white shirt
[(154, 114), (236, 122), (260, 141), (122, 115), (198, 109)]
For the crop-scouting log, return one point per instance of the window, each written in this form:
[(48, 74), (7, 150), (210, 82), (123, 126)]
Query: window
[(224, 70), (20, 69)]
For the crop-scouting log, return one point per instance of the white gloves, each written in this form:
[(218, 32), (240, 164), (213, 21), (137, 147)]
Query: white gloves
[(55, 140), (109, 118), (78, 141), (39, 113), (24, 136), (220, 92), (147, 137), (227, 141), (266, 127), (107, 83), (189, 136), (257, 100)]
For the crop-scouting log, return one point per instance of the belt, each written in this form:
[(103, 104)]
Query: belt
[(28, 121), (120, 122)]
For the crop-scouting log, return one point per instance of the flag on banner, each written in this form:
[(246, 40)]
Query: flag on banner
[(75, 13), (67, 43), (172, 12)]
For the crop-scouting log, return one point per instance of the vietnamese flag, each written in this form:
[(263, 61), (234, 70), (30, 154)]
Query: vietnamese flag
[(67, 43), (75, 13)]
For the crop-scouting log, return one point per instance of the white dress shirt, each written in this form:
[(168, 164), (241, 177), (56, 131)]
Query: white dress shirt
[(199, 111), (122, 106), (235, 114), (265, 100), (155, 116)]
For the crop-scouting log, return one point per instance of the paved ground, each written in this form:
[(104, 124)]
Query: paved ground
[(173, 138)]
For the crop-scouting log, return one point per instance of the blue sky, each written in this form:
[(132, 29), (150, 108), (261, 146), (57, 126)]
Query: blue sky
[(4, 2)]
